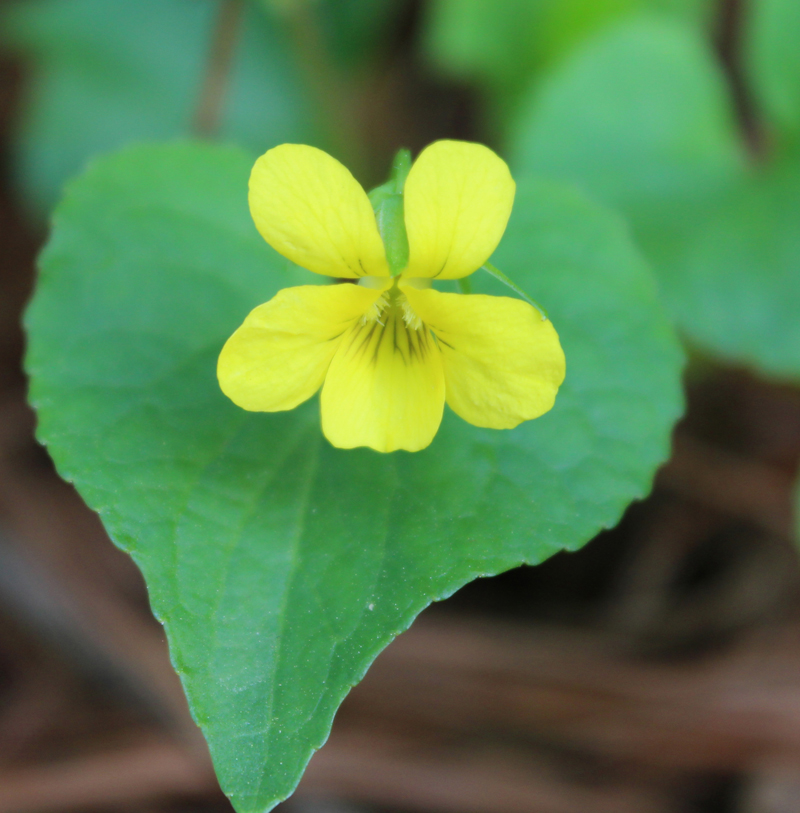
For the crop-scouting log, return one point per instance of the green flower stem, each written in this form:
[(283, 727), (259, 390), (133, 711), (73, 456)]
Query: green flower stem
[(498, 274), (223, 47)]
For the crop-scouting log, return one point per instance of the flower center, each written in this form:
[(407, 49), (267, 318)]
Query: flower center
[(392, 303)]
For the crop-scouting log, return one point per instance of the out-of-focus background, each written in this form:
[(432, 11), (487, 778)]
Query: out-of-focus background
[(655, 671)]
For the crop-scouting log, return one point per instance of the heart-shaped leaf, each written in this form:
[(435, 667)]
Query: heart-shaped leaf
[(279, 565)]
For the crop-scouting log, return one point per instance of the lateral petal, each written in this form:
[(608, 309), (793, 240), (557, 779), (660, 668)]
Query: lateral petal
[(279, 356), (502, 363), (458, 198), (384, 388), (309, 208)]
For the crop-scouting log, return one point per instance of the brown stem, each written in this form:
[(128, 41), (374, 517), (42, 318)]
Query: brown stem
[(332, 95), (733, 16), (208, 114)]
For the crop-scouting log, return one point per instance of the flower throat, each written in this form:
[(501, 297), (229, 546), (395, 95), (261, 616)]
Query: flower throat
[(391, 305)]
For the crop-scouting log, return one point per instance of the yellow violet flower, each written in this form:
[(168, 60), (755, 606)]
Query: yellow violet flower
[(389, 351)]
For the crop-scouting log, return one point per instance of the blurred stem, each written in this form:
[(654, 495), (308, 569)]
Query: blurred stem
[(731, 20), (326, 85), (208, 115)]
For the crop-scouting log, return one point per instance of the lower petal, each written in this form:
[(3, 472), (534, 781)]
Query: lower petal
[(279, 356), (384, 388), (503, 364)]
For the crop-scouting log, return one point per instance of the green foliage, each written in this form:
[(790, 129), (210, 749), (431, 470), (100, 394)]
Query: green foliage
[(279, 565), (355, 29), (108, 73), (502, 44), (773, 57), (737, 280), (641, 118), (351, 32)]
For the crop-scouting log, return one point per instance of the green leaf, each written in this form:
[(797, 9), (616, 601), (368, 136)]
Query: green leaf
[(279, 565), (106, 74), (736, 280), (773, 58), (355, 30), (639, 117)]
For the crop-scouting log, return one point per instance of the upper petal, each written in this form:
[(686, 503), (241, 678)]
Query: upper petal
[(384, 388), (458, 198), (503, 364), (279, 356), (312, 210)]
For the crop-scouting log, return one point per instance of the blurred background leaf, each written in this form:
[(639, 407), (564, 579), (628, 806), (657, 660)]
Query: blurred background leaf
[(280, 565), (736, 282), (772, 34), (104, 74), (503, 45), (642, 117), (356, 30)]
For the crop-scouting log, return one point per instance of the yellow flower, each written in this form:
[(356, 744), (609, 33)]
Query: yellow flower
[(389, 351)]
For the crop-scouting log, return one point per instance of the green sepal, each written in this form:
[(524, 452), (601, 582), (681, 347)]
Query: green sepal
[(387, 202)]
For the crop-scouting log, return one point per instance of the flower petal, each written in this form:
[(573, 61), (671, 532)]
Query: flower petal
[(385, 388), (503, 364), (279, 356), (458, 198), (309, 208)]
